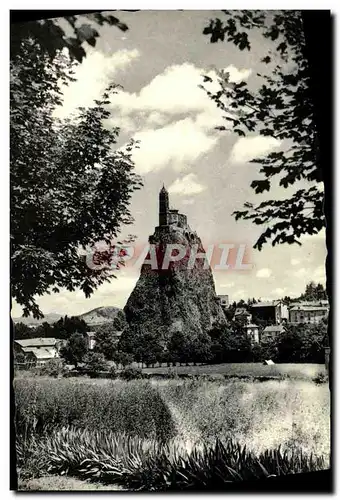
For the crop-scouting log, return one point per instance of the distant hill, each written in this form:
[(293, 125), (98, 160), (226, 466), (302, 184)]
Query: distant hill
[(97, 316), (48, 318), (100, 315)]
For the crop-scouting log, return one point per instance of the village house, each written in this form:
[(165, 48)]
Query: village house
[(272, 332), (308, 312), (224, 301), (274, 311), (252, 331), (242, 314), (38, 351), (91, 338)]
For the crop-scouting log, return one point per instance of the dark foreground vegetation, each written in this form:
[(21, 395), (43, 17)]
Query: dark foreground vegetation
[(148, 466), (167, 435)]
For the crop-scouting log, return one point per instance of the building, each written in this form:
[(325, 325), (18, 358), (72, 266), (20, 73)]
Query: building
[(308, 312), (91, 340), (272, 332), (224, 301), (252, 331), (274, 311), (170, 218), (242, 314), (38, 351)]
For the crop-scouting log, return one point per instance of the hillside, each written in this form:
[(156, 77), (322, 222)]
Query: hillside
[(100, 315), (48, 318), (97, 316)]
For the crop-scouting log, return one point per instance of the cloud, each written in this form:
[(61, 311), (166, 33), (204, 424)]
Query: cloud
[(93, 75), (176, 145), (237, 75), (177, 90), (186, 185), (294, 262), (174, 91), (263, 273), (248, 148)]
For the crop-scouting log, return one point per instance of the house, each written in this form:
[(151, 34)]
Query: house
[(308, 312), (91, 339), (272, 332), (38, 351), (252, 332), (241, 313), (274, 311), (224, 301)]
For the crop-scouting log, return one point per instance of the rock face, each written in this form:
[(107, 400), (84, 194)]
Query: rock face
[(180, 297)]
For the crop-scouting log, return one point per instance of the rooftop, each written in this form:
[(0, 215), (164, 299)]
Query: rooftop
[(38, 342), (274, 328), (269, 303), (42, 353), (309, 308)]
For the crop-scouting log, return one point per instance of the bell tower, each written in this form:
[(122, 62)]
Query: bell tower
[(163, 206)]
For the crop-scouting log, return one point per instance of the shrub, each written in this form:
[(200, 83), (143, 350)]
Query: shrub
[(131, 373), (146, 465), (95, 362), (112, 372), (136, 409), (320, 378), (52, 368)]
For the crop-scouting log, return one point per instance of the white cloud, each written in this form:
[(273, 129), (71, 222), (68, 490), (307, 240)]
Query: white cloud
[(189, 201), (248, 148), (186, 185), (263, 273), (177, 90), (237, 75), (176, 144), (174, 91), (294, 262), (93, 75)]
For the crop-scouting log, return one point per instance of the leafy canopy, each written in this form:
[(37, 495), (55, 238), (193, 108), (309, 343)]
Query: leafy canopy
[(280, 107), (70, 187)]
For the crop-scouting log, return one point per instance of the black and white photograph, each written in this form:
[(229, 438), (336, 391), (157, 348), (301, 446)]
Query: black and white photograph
[(171, 282)]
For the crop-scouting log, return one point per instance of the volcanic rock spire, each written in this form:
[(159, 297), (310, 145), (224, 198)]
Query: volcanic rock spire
[(174, 295)]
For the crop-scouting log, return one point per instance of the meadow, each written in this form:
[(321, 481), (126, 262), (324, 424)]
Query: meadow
[(122, 433), (304, 371)]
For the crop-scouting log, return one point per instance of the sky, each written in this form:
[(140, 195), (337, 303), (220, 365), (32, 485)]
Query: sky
[(159, 63)]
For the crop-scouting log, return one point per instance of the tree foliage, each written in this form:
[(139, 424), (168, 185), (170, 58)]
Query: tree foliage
[(314, 292), (95, 362), (281, 107), (75, 350), (69, 187), (50, 34), (106, 341)]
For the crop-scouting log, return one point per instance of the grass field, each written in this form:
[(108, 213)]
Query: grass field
[(305, 371), (167, 430)]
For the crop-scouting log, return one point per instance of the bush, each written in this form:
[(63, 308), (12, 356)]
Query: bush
[(131, 373), (113, 372), (146, 465), (52, 368), (95, 362), (320, 378)]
